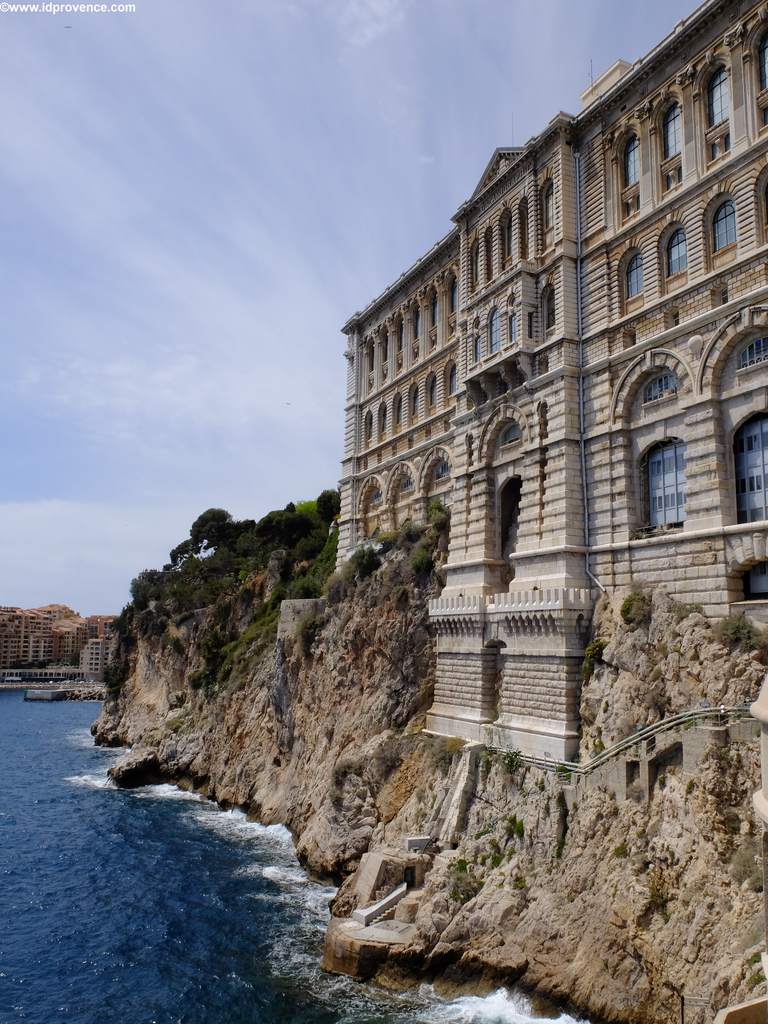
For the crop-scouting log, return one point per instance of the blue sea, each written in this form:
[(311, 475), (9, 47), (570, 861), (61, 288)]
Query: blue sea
[(154, 906)]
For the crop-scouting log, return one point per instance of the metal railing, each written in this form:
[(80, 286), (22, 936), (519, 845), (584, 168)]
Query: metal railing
[(723, 715)]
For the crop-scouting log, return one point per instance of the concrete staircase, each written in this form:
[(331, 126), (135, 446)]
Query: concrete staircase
[(450, 824), (381, 909)]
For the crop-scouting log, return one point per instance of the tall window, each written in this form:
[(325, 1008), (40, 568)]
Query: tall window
[(762, 55), (512, 327), (634, 275), (718, 100), (505, 236), (382, 420), (488, 254), (631, 162), (751, 456), (452, 379), (755, 352), (416, 322), (397, 412), (549, 308), (666, 483), (368, 426), (414, 404), (454, 294), (494, 331), (548, 206), (672, 130), (677, 253), (432, 391), (476, 349), (400, 336), (724, 226), (369, 353), (385, 348), (522, 229), (433, 310), (474, 263), (661, 386)]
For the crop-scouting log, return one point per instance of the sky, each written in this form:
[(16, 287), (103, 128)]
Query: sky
[(193, 199)]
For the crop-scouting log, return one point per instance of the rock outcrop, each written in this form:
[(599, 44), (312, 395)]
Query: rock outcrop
[(612, 906)]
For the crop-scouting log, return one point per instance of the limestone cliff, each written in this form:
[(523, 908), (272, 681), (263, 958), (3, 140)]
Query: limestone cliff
[(615, 906)]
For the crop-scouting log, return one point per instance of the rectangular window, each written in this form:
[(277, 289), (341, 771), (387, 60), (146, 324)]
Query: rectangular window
[(530, 325), (512, 328)]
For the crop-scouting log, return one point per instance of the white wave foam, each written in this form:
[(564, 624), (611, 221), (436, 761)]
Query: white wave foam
[(96, 780), (500, 1007), (80, 738), (285, 875), (165, 791)]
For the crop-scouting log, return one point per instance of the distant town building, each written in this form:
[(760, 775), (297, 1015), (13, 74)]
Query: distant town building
[(52, 634)]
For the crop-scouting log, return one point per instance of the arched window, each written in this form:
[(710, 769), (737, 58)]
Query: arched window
[(416, 321), (451, 379), (677, 253), (414, 403), (442, 470), (762, 56), (672, 131), (548, 206), (718, 99), (453, 294), (631, 162), (751, 455), (406, 482), (397, 412), (522, 229), (474, 263), (476, 349), (549, 308), (724, 226), (382, 420), (755, 352), (488, 254), (369, 355), (661, 386), (434, 310), (384, 347), (505, 236), (432, 391), (368, 427), (634, 276), (494, 331), (400, 336), (666, 483), (510, 435)]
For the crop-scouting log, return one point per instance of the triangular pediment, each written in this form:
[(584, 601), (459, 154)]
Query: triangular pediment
[(502, 158)]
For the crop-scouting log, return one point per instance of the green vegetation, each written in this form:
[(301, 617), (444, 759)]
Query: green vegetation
[(621, 850), (736, 632), (512, 760), (519, 882), (636, 609), (682, 611), (593, 655)]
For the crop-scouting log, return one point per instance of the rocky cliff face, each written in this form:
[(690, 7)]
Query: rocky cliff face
[(613, 906)]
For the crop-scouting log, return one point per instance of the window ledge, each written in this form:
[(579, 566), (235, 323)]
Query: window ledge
[(635, 303), (655, 403), (745, 371), (725, 255)]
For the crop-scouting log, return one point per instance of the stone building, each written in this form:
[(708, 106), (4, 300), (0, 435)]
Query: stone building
[(578, 370)]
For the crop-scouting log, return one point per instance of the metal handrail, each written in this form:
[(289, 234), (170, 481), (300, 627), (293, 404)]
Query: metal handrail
[(694, 714)]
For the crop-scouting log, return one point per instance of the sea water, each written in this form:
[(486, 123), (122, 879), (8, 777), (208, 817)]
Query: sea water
[(154, 906)]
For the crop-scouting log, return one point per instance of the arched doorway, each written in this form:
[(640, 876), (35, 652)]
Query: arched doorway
[(750, 452)]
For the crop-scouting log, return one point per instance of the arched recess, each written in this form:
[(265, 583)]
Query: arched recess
[(639, 372), (720, 346), (370, 505), (501, 417), (744, 553), (401, 489), (433, 457)]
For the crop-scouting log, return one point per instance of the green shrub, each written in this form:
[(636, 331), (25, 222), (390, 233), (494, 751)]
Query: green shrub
[(496, 859), (620, 850), (512, 760), (437, 514), (682, 611), (636, 609), (519, 882), (364, 562), (460, 866), (593, 654), (736, 632), (421, 560)]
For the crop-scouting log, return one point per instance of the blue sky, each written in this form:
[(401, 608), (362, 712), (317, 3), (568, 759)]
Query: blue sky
[(194, 198)]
